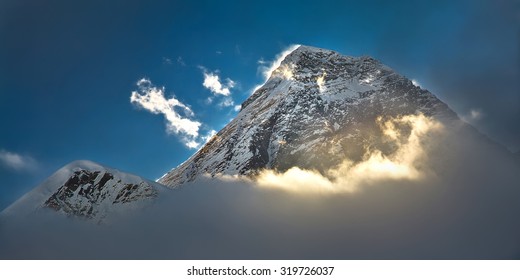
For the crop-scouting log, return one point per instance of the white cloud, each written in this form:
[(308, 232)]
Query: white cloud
[(212, 82), (209, 135), (473, 115), (16, 161), (416, 83), (192, 144), (152, 99), (166, 60), (181, 61), (230, 83), (227, 102), (237, 108)]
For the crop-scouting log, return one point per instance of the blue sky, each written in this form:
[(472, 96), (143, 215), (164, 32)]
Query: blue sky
[(68, 71)]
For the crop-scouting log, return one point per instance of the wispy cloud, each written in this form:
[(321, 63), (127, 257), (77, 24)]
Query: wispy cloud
[(266, 68), (209, 135), (212, 82), (16, 161), (181, 61), (416, 83), (227, 102), (179, 116), (166, 60), (473, 116)]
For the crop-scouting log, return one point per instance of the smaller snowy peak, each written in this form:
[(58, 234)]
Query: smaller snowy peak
[(88, 190)]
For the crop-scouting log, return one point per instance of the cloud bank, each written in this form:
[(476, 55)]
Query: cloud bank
[(468, 210), (406, 163)]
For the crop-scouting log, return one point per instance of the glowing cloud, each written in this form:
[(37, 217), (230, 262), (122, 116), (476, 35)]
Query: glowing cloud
[(321, 82), (152, 99), (285, 71), (267, 68), (403, 164)]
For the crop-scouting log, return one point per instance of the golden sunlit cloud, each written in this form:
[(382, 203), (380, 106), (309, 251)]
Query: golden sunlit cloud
[(321, 82), (284, 71), (409, 133), (267, 71)]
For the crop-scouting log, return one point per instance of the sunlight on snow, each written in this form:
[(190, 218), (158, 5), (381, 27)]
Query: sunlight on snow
[(321, 82)]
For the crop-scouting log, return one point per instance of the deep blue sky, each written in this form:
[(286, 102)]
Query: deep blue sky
[(67, 69)]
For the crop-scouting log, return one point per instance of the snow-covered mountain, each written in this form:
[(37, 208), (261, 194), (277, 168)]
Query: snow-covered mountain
[(86, 189), (317, 108)]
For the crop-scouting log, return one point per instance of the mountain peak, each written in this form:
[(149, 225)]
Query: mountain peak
[(316, 109), (311, 49), (86, 189), (303, 51)]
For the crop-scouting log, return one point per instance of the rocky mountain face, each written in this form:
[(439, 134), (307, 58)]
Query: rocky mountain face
[(88, 190), (317, 108), (84, 191)]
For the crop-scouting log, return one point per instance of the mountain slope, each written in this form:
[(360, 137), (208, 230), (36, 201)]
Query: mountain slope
[(317, 108), (88, 190)]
